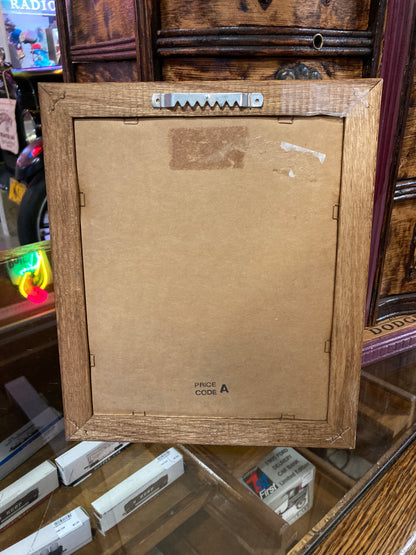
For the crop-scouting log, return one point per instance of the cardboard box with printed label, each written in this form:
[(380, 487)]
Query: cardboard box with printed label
[(284, 480)]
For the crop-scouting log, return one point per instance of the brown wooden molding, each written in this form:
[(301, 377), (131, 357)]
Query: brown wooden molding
[(63, 26), (147, 24), (263, 41), (113, 44), (395, 305), (377, 24), (120, 49), (263, 30), (405, 190)]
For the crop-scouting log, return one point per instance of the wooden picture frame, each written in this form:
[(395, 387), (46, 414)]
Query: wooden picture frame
[(188, 239)]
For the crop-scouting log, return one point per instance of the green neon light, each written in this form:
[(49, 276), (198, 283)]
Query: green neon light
[(30, 266)]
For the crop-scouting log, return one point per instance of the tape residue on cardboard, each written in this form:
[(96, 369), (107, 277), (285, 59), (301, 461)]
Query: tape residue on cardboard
[(289, 146)]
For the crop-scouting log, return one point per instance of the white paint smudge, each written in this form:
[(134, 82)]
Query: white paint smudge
[(291, 174), (287, 147)]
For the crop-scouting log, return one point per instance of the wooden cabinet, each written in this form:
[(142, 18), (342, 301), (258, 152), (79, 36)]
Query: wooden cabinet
[(244, 39), (397, 261), (254, 39)]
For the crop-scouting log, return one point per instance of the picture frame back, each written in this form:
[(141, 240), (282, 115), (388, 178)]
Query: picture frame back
[(210, 258)]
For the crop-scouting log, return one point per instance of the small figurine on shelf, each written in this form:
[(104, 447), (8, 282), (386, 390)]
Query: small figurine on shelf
[(40, 57)]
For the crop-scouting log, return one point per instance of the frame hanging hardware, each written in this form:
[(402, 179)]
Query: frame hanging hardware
[(82, 199), (131, 121), (287, 417), (285, 120), (243, 100)]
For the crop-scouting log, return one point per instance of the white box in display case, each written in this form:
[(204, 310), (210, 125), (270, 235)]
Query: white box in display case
[(31, 437), (66, 535), (127, 496), (26, 492), (77, 463)]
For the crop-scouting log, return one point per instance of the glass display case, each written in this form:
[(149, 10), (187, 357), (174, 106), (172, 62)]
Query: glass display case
[(217, 499)]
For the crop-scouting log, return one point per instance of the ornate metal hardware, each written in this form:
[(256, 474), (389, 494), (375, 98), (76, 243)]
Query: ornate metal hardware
[(297, 71)]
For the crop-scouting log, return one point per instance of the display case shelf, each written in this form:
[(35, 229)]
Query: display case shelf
[(208, 509)]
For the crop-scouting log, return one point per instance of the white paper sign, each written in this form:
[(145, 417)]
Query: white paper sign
[(8, 131)]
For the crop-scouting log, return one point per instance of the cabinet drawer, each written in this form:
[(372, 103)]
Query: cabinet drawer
[(216, 13)]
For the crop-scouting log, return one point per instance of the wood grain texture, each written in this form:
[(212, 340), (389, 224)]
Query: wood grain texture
[(95, 21), (360, 151), (70, 307), (110, 71), (187, 69), (407, 165), (377, 25), (303, 98), (212, 431), (200, 14), (64, 40), (358, 102), (147, 25), (311, 538), (398, 277), (384, 520)]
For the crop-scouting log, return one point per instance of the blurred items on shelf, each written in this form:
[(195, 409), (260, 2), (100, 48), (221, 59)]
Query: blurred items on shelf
[(32, 33)]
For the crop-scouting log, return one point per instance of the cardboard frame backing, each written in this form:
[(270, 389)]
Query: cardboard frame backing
[(68, 109)]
